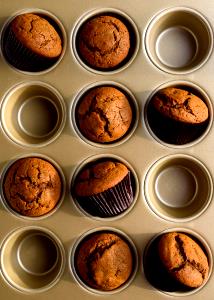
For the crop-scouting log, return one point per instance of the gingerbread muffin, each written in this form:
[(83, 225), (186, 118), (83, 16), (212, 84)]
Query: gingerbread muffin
[(104, 261), (104, 189), (177, 116), (31, 43), (103, 42), (32, 186), (104, 114), (184, 259)]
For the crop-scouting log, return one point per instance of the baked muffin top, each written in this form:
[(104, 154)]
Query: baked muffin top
[(32, 186), (37, 34), (104, 261), (99, 177), (104, 114), (183, 258), (180, 105), (103, 42)]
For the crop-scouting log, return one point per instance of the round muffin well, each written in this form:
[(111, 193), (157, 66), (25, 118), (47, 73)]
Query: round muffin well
[(33, 41), (103, 42), (104, 261), (32, 186), (104, 114), (104, 189), (177, 262), (183, 258)]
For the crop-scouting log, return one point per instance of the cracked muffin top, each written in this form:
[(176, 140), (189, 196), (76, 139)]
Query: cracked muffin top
[(37, 34), (32, 186), (183, 258), (180, 105), (104, 114), (99, 177), (104, 261), (103, 42)]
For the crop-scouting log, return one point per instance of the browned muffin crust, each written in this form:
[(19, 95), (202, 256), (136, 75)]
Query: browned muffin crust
[(104, 42), (99, 177), (184, 259), (180, 105), (104, 261), (104, 114), (37, 35), (32, 186)]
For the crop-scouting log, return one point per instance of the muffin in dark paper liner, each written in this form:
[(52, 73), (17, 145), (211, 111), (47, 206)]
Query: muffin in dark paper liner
[(177, 116), (31, 43), (104, 189)]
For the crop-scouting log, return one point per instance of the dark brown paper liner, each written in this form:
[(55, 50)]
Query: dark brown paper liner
[(21, 57), (111, 202)]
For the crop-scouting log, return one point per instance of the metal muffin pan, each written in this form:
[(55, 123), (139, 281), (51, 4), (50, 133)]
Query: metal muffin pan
[(151, 66)]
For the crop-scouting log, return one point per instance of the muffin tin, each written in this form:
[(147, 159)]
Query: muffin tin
[(37, 111)]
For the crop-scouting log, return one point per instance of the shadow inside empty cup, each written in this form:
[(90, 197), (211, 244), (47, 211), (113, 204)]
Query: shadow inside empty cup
[(37, 254), (178, 40), (33, 114), (32, 259), (178, 188)]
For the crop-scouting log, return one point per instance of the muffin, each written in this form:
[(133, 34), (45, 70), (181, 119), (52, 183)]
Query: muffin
[(103, 42), (104, 261), (104, 114), (176, 116), (175, 263), (104, 188), (32, 186), (31, 43), (183, 258)]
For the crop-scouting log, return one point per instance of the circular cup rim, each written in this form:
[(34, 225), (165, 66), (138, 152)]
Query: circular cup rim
[(208, 253), (39, 11), (74, 103), (154, 210), (86, 16), (188, 202), (60, 124), (94, 158), (160, 66), (61, 251), (3, 198), (35, 273), (173, 83), (34, 135), (71, 262)]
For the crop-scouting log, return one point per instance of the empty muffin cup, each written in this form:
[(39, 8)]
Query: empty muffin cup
[(32, 187), (116, 255), (178, 188), (32, 259), (178, 40), (105, 114), (119, 191), (173, 131), (162, 279), (33, 114), (113, 42), (40, 44)]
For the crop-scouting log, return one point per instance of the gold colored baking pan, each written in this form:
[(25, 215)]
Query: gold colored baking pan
[(171, 45)]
